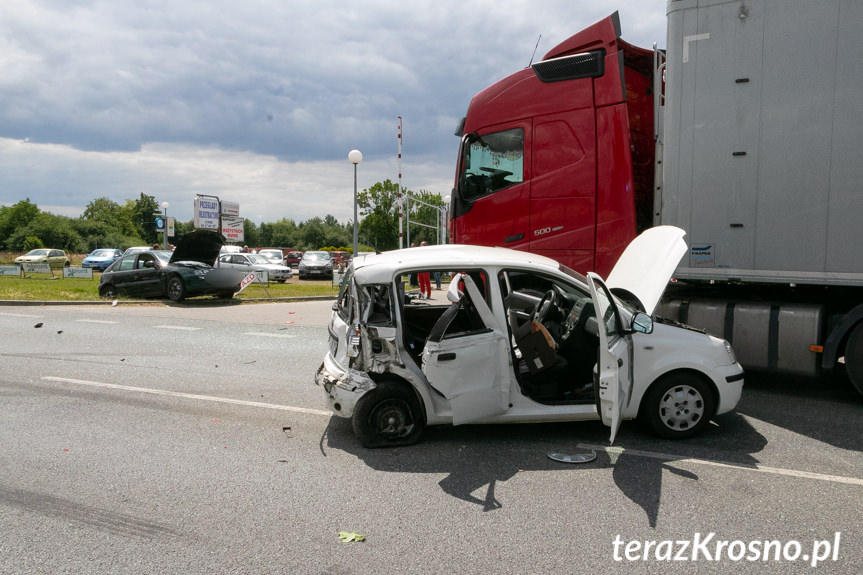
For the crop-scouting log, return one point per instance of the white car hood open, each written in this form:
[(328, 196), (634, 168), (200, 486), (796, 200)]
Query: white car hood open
[(647, 264)]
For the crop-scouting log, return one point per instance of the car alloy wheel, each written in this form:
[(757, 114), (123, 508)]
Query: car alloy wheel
[(108, 291), (176, 289)]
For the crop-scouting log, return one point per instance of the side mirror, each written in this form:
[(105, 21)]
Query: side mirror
[(642, 323), (150, 264)]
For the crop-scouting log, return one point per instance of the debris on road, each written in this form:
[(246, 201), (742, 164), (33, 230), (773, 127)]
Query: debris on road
[(347, 537)]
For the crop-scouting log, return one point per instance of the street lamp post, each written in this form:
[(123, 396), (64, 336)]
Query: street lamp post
[(355, 157), (165, 229)]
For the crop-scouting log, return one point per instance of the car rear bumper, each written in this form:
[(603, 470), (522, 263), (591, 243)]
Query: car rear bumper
[(343, 388)]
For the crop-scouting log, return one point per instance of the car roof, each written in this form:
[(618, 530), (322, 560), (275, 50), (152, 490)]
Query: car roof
[(380, 268)]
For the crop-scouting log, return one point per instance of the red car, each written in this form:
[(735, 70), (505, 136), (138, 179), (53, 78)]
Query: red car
[(293, 258)]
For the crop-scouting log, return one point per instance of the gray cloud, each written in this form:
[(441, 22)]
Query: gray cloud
[(176, 98)]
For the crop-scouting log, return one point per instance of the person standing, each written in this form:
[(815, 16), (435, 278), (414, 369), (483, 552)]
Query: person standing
[(424, 280)]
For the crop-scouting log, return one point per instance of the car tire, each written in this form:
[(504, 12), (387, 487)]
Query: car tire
[(677, 406), (176, 288), (67, 264), (390, 415), (108, 291)]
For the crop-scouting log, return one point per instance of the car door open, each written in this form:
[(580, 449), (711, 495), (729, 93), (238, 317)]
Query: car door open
[(469, 366), (614, 385)]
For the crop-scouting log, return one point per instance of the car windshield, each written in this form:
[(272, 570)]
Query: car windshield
[(37, 253), (323, 256), (271, 255), (163, 255), (582, 279), (102, 254)]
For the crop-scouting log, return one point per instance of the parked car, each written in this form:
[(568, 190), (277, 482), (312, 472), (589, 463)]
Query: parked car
[(101, 259), (254, 262), (340, 258), (136, 249), (316, 264), (230, 250), (55, 258), (185, 272), (272, 256), (292, 258), (520, 338)]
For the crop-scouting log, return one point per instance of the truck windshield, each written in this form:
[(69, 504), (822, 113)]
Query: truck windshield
[(491, 162)]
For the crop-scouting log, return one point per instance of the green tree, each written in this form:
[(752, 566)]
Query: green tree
[(312, 234), (52, 230), (15, 217), (424, 214), (283, 233), (252, 234), (378, 208), (119, 219), (142, 217)]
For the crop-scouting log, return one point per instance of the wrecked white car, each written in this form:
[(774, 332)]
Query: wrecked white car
[(515, 337)]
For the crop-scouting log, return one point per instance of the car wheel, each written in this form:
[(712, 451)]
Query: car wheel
[(67, 264), (108, 291), (677, 406), (176, 288), (390, 415)]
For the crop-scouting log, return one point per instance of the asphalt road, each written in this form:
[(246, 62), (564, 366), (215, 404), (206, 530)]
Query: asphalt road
[(191, 439)]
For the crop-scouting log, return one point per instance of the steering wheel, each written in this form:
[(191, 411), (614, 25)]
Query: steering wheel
[(548, 301)]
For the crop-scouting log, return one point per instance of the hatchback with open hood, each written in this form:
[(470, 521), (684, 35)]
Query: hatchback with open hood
[(187, 271), (516, 337)]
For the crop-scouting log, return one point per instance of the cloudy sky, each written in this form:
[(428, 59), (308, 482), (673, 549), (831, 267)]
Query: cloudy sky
[(260, 101)]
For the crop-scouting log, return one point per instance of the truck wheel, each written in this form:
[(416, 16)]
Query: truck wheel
[(390, 415), (677, 406), (854, 357)]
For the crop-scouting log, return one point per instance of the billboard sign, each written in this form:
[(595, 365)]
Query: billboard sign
[(232, 229), (70, 272), (206, 214), (230, 209)]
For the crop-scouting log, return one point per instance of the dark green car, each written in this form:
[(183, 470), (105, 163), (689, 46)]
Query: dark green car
[(186, 272)]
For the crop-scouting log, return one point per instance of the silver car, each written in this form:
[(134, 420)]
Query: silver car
[(253, 262)]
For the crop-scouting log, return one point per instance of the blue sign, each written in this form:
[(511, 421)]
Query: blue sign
[(160, 224)]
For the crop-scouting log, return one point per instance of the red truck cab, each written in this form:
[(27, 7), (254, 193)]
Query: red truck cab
[(558, 159)]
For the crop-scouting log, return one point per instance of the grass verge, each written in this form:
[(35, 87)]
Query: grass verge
[(44, 288)]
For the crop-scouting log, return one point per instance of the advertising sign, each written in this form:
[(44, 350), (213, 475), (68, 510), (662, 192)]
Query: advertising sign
[(10, 271), (171, 227), (70, 272), (253, 278), (230, 209), (36, 268), (232, 229), (206, 214), (160, 224)]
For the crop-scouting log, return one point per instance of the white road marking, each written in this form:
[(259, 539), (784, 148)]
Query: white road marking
[(727, 465), (95, 321), (184, 327), (21, 315), (190, 396), (264, 334)]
